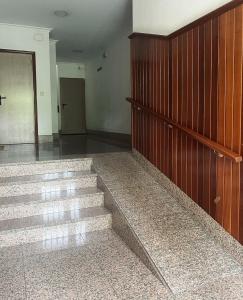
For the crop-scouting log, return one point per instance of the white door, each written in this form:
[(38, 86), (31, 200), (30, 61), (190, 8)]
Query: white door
[(17, 121)]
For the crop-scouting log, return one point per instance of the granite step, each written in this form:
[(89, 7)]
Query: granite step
[(43, 177), (45, 203), (54, 225), (53, 166), (46, 183)]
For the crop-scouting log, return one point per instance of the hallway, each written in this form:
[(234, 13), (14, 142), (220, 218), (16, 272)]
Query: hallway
[(121, 150), (67, 146)]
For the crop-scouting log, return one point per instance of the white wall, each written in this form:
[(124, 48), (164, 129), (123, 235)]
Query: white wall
[(15, 37), (71, 70), (106, 108), (166, 16), (54, 85)]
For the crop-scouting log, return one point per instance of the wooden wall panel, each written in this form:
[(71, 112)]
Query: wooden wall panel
[(150, 75), (194, 79), (230, 114), (193, 75)]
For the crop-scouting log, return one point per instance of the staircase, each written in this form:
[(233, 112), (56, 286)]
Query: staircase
[(45, 200)]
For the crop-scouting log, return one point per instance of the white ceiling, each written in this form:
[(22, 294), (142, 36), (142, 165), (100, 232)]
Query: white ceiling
[(166, 16), (90, 25)]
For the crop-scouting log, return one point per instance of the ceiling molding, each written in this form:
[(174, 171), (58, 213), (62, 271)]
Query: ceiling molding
[(27, 27)]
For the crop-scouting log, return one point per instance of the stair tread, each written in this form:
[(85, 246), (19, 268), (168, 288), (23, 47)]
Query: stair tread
[(48, 196), (53, 219), (46, 162), (48, 177)]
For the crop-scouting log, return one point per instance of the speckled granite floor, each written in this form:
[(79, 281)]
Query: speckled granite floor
[(192, 264), (99, 265), (49, 244), (95, 265)]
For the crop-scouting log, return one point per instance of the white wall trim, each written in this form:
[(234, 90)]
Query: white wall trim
[(27, 26)]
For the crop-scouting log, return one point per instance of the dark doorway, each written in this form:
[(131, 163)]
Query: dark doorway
[(72, 100)]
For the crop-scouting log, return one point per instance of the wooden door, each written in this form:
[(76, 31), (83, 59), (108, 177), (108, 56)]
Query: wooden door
[(17, 120), (72, 93)]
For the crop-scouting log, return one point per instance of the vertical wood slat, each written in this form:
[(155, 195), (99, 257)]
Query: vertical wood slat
[(174, 109), (236, 213), (240, 212), (239, 15), (221, 118), (195, 87), (229, 117), (195, 79), (207, 155)]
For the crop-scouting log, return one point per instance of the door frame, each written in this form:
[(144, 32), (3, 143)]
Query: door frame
[(32, 53)]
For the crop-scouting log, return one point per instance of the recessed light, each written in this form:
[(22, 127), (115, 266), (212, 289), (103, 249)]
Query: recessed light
[(61, 13)]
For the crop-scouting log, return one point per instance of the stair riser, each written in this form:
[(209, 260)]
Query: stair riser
[(46, 187), (45, 167), (46, 233), (16, 212)]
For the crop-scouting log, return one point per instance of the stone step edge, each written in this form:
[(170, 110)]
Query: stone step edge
[(66, 222), (44, 162), (36, 202), (31, 210), (24, 236), (16, 183), (45, 167)]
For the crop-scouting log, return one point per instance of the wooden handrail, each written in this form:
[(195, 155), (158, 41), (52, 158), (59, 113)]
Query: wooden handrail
[(221, 150)]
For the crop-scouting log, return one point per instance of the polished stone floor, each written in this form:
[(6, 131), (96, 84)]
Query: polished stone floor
[(192, 264), (100, 266), (95, 265), (67, 146)]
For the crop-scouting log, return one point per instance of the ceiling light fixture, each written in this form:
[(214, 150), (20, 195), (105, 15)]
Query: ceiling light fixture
[(61, 13)]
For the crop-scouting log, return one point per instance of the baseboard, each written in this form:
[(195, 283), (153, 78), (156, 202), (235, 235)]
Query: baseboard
[(71, 132), (226, 241), (45, 139), (112, 135)]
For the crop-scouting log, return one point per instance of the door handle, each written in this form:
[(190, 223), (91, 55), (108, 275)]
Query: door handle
[(2, 98), (63, 105)]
